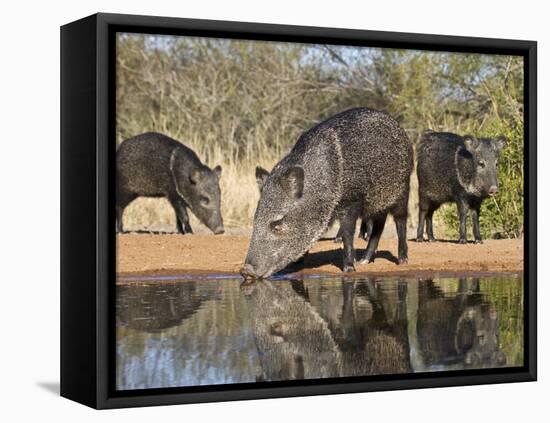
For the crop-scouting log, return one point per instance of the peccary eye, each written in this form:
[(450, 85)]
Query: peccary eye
[(277, 227), (204, 200), (481, 164)]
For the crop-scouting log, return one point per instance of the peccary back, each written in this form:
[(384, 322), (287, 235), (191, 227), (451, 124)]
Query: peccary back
[(154, 165)]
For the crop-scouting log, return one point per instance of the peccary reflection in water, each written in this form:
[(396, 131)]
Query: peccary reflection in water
[(157, 307), (368, 321), (303, 332), (293, 341), (463, 329), (207, 332)]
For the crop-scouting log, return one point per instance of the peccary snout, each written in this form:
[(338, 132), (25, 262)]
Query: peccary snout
[(200, 190), (493, 190)]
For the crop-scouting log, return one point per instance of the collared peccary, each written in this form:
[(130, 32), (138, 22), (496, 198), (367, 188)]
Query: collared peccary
[(366, 225), (154, 165), (293, 341), (357, 162), (368, 322), (463, 329), (456, 169)]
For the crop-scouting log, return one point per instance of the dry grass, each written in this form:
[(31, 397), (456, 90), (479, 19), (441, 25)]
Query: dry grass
[(240, 196), (241, 103)]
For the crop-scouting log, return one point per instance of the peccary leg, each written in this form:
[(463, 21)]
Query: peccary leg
[(119, 213), (366, 228), (475, 285), (462, 214), (402, 249), (122, 201), (421, 219), (338, 237), (182, 217), (347, 227), (429, 225), (378, 223), (475, 224), (369, 228)]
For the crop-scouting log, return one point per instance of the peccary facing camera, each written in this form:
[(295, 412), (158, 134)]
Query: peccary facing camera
[(457, 169), (356, 163), (154, 165)]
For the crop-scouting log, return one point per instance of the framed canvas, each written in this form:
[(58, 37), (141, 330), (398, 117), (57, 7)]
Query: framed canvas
[(229, 194)]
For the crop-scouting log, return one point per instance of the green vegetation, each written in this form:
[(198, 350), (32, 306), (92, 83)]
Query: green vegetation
[(507, 297), (245, 103)]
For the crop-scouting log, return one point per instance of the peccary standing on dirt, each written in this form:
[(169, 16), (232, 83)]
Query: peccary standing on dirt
[(366, 224), (154, 165), (456, 169), (355, 163)]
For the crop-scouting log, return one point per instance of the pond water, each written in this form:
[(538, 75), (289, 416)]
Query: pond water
[(181, 332)]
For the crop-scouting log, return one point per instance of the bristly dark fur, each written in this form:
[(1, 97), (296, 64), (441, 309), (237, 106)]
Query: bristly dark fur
[(154, 165), (355, 163), (456, 169)]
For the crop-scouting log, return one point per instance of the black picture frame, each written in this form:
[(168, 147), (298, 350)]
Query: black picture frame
[(87, 211)]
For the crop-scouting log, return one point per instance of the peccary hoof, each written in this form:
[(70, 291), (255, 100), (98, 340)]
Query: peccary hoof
[(403, 260), (431, 239), (419, 239), (462, 241), (478, 241), (349, 268), (366, 260), (338, 240)]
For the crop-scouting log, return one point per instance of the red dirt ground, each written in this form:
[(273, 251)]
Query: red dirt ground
[(170, 254)]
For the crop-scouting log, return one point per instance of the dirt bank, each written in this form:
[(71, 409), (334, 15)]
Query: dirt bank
[(192, 254)]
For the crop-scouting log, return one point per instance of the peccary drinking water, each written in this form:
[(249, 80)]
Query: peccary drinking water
[(457, 169), (355, 163), (154, 165)]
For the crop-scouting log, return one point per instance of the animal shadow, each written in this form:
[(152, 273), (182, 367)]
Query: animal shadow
[(334, 257), (445, 241)]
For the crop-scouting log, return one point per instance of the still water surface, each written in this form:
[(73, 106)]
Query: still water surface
[(185, 332)]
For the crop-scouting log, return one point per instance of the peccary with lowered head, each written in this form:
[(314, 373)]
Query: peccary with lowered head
[(356, 163), (154, 165), (456, 169)]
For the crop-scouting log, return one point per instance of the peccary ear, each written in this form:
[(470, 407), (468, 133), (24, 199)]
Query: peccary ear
[(500, 142), (194, 176), (261, 177), (293, 181), (218, 171), (471, 143)]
